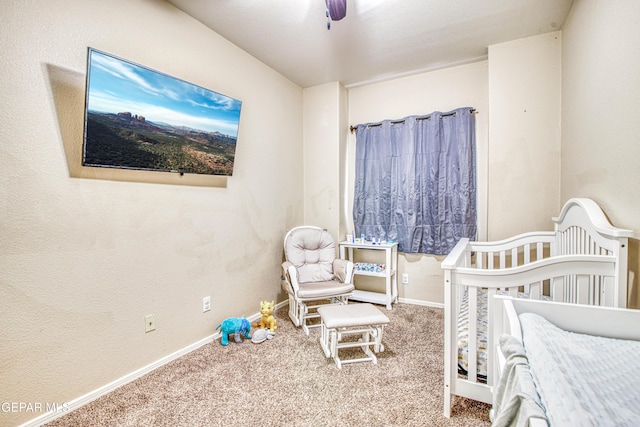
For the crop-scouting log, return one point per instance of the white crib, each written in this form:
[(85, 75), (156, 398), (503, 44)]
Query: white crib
[(583, 261)]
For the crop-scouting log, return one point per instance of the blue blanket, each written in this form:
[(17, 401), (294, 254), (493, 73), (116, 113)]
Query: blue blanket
[(516, 400)]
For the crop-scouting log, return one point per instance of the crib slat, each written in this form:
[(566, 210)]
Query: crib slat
[(581, 240), (570, 289), (582, 289), (539, 251), (535, 290), (607, 294), (557, 287), (597, 289), (490, 337), (573, 244), (472, 355)]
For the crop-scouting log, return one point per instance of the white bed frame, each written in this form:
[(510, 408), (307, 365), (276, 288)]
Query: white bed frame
[(600, 321), (584, 260)]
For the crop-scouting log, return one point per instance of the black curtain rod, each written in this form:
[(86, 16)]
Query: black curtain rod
[(397, 122)]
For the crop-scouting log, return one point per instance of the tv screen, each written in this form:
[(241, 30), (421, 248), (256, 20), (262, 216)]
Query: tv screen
[(138, 118)]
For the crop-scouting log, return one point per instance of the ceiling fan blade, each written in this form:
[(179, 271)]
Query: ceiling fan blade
[(337, 9)]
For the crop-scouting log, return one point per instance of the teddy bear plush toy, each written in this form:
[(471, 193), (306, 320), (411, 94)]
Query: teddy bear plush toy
[(238, 326), (267, 320)]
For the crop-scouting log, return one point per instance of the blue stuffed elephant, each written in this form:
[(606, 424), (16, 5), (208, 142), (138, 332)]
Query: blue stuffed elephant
[(234, 325)]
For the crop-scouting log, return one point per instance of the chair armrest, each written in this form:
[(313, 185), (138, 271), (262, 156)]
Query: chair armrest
[(343, 270), (290, 275)]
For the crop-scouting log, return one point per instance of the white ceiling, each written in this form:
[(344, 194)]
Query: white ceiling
[(378, 39)]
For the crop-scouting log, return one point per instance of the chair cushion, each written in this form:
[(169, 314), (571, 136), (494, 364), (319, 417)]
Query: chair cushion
[(312, 252), (323, 289)]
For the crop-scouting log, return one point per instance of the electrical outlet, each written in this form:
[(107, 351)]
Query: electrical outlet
[(150, 322), (206, 304), (405, 278)]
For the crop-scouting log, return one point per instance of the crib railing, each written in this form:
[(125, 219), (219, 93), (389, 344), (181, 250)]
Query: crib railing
[(530, 247), (512, 252)]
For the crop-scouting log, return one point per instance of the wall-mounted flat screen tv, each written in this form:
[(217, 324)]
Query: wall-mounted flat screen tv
[(138, 118)]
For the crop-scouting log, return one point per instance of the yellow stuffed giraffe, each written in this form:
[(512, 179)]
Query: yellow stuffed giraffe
[(267, 320)]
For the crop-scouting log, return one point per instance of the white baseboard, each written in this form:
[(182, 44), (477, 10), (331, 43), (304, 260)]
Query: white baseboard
[(420, 302), (105, 389)]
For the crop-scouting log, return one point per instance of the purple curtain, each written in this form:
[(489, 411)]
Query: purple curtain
[(416, 181)]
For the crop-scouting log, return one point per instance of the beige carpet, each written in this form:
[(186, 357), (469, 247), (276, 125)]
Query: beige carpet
[(288, 381)]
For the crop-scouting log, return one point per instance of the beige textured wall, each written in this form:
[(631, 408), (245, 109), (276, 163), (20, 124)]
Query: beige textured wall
[(321, 130), (441, 90), (601, 107), (524, 135), (83, 260)]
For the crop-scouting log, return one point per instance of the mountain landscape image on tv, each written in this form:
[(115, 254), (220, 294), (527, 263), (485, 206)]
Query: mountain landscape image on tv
[(138, 118)]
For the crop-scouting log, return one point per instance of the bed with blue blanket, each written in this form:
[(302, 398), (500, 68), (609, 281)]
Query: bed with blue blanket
[(565, 365)]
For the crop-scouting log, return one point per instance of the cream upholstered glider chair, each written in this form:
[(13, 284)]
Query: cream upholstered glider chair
[(312, 273)]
